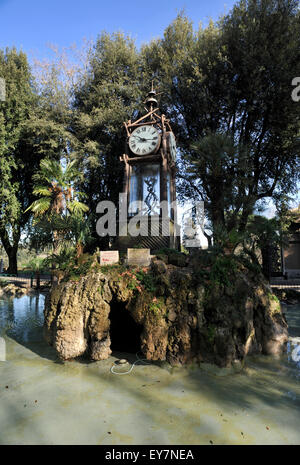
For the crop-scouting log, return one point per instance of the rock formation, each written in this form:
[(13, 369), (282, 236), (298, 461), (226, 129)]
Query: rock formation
[(183, 318), (12, 290)]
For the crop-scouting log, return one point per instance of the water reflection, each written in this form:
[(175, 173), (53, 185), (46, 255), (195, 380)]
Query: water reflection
[(293, 346), (22, 318)]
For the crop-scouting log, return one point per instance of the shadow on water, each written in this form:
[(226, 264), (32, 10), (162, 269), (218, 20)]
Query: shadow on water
[(273, 382), (292, 313)]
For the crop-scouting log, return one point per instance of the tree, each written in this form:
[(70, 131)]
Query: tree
[(106, 96), (264, 236), (34, 124), (233, 79), (218, 172), (17, 162), (57, 198), (36, 265)]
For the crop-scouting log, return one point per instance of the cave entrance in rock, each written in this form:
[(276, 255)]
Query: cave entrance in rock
[(125, 333)]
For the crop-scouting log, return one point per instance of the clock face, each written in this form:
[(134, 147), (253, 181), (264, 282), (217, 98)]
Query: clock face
[(172, 146), (144, 140)]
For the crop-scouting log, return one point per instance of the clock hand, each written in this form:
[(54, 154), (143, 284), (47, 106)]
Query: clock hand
[(139, 137)]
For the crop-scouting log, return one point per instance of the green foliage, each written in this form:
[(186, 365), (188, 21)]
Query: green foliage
[(18, 159), (54, 186), (63, 260), (249, 262), (139, 279), (132, 280), (71, 266), (273, 297), (83, 266), (223, 169), (30, 131), (147, 279), (106, 96), (226, 88), (223, 271), (58, 210), (167, 251), (266, 237), (36, 264), (216, 269), (156, 306), (115, 269)]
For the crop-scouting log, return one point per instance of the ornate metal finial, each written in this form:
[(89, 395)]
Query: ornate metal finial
[(151, 101)]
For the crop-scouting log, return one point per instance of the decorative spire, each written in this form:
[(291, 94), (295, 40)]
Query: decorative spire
[(151, 101)]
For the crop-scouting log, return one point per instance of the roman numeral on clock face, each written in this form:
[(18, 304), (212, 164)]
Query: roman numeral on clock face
[(144, 140)]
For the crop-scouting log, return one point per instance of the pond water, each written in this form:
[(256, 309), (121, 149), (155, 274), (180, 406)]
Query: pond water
[(45, 401)]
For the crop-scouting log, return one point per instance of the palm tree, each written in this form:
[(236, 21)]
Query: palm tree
[(58, 199)]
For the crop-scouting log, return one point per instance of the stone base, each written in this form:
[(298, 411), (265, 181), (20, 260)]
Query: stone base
[(181, 322)]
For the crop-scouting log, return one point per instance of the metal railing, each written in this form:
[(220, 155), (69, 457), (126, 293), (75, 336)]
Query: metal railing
[(28, 281)]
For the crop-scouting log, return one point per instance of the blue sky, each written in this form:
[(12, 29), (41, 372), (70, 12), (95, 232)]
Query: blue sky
[(31, 24)]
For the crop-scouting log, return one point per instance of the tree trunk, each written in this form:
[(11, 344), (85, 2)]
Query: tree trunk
[(79, 249), (247, 211), (11, 249), (218, 219), (12, 260), (55, 252), (38, 279), (209, 239)]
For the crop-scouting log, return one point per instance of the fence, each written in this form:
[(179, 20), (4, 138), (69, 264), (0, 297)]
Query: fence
[(28, 281), (281, 283)]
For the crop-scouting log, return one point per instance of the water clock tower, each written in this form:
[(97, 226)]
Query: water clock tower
[(149, 182)]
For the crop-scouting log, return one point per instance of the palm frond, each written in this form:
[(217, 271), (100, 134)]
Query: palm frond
[(71, 171), (77, 207), (42, 190), (40, 206)]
